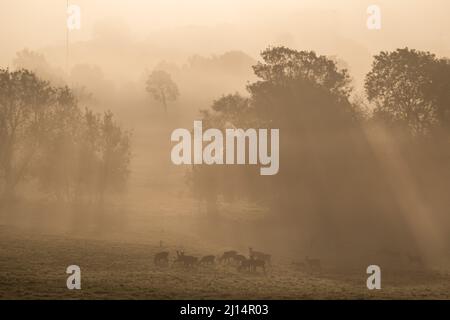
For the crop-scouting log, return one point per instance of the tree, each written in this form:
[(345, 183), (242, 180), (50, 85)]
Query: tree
[(207, 182), (281, 65), (230, 110), (162, 88), (306, 96), (410, 88), (45, 136), (57, 162), (114, 155), (88, 156), (25, 102), (299, 90)]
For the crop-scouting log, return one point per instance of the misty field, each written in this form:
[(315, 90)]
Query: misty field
[(33, 263), (147, 132)]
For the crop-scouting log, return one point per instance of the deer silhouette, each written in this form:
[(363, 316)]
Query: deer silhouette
[(260, 256), (227, 256), (187, 261)]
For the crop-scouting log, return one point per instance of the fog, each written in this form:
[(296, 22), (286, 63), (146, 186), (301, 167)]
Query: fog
[(206, 27), (354, 185)]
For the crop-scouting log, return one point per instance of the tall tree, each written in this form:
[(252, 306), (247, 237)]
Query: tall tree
[(281, 65), (115, 155), (24, 112), (162, 88), (410, 88), (306, 96), (45, 136), (85, 157)]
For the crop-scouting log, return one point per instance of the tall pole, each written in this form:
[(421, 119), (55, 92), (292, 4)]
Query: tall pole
[(67, 41)]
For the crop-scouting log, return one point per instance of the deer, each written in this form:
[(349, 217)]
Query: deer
[(252, 264), (188, 261), (161, 258), (245, 264), (239, 258), (227, 256), (260, 256), (210, 259), (255, 263), (313, 264)]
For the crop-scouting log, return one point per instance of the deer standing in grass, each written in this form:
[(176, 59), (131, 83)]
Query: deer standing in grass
[(260, 256), (245, 264), (256, 263), (252, 264), (239, 258), (227, 256), (188, 261)]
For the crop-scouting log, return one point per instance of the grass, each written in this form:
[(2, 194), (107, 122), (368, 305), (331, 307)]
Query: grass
[(33, 264)]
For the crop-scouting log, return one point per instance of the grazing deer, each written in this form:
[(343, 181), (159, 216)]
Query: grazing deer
[(210, 259), (255, 263), (245, 264), (188, 261), (313, 264), (260, 256), (252, 264), (178, 259), (161, 258), (239, 258), (227, 256)]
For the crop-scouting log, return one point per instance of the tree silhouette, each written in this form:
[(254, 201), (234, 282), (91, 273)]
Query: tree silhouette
[(229, 111), (25, 102), (162, 88), (45, 136), (304, 95), (115, 155), (55, 167), (281, 65), (85, 157), (410, 88)]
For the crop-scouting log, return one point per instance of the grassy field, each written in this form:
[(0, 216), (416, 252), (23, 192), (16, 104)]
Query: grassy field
[(115, 249), (33, 264)]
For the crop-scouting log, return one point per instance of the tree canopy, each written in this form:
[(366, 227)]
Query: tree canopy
[(162, 88), (410, 88), (45, 136)]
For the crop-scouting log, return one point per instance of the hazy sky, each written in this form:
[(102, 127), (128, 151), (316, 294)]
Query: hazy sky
[(423, 24)]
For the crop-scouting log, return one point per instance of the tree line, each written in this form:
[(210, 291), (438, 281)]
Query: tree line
[(330, 170), (47, 139)]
